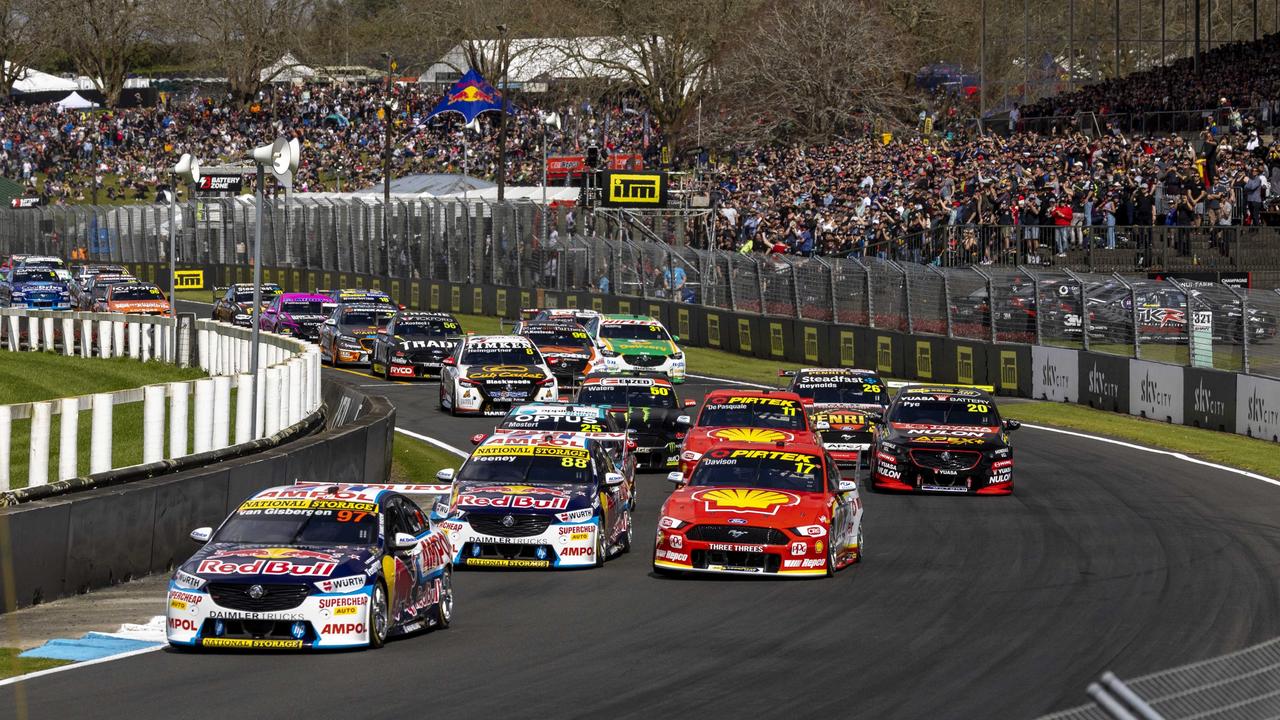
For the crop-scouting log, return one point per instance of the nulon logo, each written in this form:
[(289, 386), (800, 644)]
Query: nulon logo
[(1151, 392), (1204, 402), (1098, 384), (1260, 413)]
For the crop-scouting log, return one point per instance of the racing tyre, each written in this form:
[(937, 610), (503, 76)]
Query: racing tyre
[(441, 401), (386, 370), (327, 359), (858, 558), (624, 540), (600, 546), (443, 614), (831, 555), (379, 616)]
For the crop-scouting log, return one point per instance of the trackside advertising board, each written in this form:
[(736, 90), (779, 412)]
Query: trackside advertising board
[(1055, 374), (1258, 407), (1155, 391)]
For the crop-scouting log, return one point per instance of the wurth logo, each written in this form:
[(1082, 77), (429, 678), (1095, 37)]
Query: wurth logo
[(1050, 377), (1151, 392), (1098, 384), (1204, 402), (1260, 413)]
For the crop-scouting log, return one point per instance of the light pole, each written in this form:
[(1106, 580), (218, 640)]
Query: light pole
[(547, 119), (387, 107), (504, 54), (188, 168)]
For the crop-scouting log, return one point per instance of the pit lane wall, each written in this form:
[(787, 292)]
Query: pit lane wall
[(75, 543)]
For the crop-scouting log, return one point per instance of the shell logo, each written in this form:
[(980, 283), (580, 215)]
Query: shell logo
[(755, 435), (762, 502)]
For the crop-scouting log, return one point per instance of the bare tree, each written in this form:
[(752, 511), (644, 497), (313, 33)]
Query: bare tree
[(23, 40), (244, 37), (809, 69), (100, 37)]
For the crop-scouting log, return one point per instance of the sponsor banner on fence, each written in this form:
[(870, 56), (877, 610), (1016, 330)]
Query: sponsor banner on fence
[(1104, 381), (1055, 374), (1155, 391), (1209, 399), (1258, 407)]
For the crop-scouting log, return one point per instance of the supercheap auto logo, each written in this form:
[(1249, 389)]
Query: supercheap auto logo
[(757, 435), (761, 502)]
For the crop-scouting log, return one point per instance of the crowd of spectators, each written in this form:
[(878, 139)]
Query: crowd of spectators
[(72, 156)]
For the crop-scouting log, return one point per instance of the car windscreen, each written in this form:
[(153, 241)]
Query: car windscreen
[(303, 307), (136, 292), (765, 469), (843, 389), (267, 294), (955, 411), (566, 422), (558, 338), (499, 356), (656, 396), (301, 522), (428, 329), (34, 275), (367, 318), (778, 414), (637, 331), (520, 466)]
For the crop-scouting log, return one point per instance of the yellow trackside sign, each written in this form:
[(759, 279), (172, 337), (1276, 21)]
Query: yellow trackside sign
[(635, 189), (188, 279)]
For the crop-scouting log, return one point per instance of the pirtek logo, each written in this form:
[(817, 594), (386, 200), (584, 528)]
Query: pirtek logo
[(1204, 402), (1259, 413), (1050, 377), (1098, 384), (1151, 392)]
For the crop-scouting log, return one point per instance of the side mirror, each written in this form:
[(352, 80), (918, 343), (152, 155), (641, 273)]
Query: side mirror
[(690, 403), (445, 475), (822, 425), (449, 361), (676, 477), (613, 479), (202, 534), (875, 418), (330, 321), (684, 420), (675, 338), (478, 438), (806, 401), (1012, 424), (404, 541), (846, 486), (382, 331)]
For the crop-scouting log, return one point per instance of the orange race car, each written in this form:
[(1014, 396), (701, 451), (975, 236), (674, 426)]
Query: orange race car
[(133, 298)]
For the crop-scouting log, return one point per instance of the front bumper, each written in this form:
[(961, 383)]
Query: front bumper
[(672, 368), (413, 369), (801, 557), (481, 400), (320, 621), (343, 356), (561, 545), (986, 478)]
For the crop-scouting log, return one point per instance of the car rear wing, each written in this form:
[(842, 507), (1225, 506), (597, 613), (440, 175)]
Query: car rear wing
[(425, 495)]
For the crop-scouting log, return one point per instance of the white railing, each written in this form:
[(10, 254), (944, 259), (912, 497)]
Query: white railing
[(199, 412)]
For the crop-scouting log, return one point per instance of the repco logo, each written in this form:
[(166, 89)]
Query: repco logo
[(1151, 392), (1259, 413), (1050, 377), (1204, 402), (1098, 384)]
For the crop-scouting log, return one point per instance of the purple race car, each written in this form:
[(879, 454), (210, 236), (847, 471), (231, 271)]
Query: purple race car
[(297, 314)]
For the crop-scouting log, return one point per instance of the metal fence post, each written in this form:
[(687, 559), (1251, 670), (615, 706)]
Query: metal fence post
[(795, 290), (1035, 298), (946, 297), (1186, 326), (1244, 326), (991, 300), (759, 283), (871, 310), (906, 295), (1133, 314), (1084, 309), (831, 282)]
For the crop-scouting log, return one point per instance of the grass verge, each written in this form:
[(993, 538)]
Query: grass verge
[(414, 461), (1237, 451), (11, 664), (33, 376)]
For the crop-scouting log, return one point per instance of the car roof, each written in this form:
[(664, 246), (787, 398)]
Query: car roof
[(835, 371), (624, 380), (619, 318), (557, 409), (424, 315), (550, 325), (935, 391), (305, 296)]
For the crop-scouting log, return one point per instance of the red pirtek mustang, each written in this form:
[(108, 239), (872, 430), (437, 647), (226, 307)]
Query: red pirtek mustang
[(944, 440), (761, 509), (764, 416)]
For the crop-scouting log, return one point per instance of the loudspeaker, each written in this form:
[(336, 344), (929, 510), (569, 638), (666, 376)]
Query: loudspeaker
[(188, 167)]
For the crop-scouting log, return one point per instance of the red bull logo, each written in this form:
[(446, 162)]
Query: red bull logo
[(275, 554), (470, 93)]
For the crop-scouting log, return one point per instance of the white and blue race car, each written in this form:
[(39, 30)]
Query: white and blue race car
[(313, 566)]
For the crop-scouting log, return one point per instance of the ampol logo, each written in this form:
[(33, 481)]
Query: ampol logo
[(759, 435), (762, 502)]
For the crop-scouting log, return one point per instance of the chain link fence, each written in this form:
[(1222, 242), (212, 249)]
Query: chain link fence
[(1187, 322)]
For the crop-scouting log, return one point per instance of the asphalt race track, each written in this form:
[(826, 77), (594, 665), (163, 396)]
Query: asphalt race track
[(1004, 607)]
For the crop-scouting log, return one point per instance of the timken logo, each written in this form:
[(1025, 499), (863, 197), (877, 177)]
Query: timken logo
[(1204, 403), (1098, 384), (1151, 392), (1260, 413)]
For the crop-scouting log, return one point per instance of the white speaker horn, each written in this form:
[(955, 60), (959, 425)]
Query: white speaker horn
[(188, 167), (262, 154), (295, 155)]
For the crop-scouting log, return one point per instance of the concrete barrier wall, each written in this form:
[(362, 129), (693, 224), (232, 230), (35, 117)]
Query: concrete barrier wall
[(67, 545)]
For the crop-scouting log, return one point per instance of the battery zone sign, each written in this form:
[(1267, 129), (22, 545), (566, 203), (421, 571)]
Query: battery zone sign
[(220, 183)]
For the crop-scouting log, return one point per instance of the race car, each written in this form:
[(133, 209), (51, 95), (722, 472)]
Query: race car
[(732, 415), (566, 347), (751, 508), (133, 298), (95, 289), (654, 417), (573, 315), (596, 423), (313, 566), (849, 401), (47, 262), (82, 273), (359, 296), (348, 335), (944, 440), (414, 344), (234, 304), (488, 374), (636, 342), (296, 314), (538, 500), (34, 287)]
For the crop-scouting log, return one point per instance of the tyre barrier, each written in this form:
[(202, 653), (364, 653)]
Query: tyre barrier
[(71, 544)]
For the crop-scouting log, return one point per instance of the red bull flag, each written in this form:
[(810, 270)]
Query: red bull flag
[(469, 97)]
